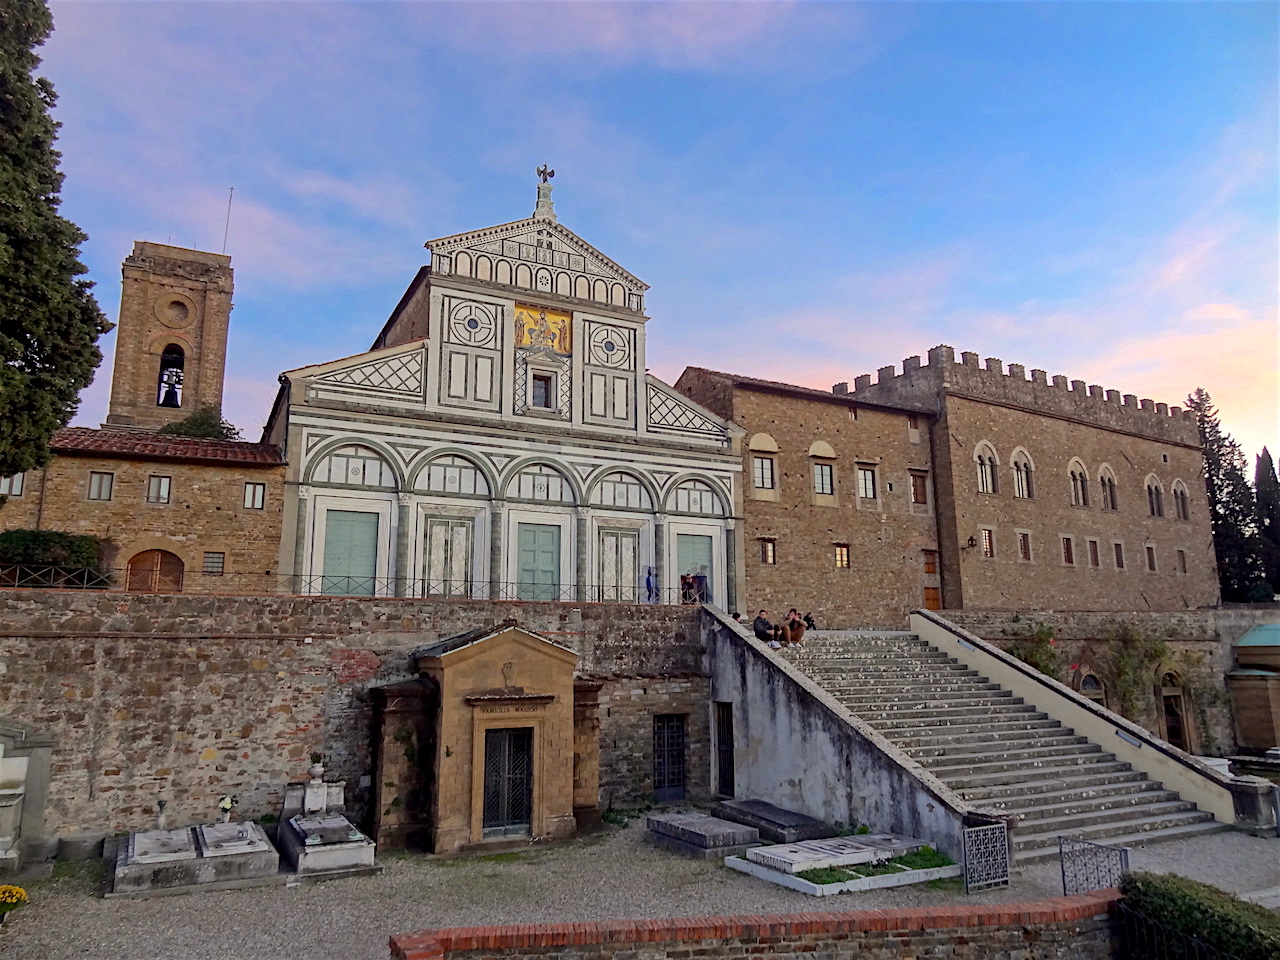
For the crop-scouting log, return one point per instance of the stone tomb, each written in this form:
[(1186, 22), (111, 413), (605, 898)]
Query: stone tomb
[(701, 836), (833, 852), (317, 839), (774, 823), (212, 856)]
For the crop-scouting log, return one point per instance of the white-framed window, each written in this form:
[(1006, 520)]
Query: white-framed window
[(762, 473), (12, 486), (913, 428), (542, 390), (1155, 497), (867, 482), (1181, 503), (987, 540), (255, 496), (842, 556), (215, 563), (824, 479), (100, 484), (768, 551), (158, 489)]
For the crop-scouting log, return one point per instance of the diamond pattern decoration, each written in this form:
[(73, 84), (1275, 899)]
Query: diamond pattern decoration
[(402, 374), (668, 411)]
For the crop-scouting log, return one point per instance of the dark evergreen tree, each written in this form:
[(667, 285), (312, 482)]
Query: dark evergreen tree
[(1232, 508), (1266, 489), (204, 422), (49, 321)]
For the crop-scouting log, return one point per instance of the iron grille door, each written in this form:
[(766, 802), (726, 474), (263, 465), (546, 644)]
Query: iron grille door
[(724, 749), (668, 756), (508, 782)]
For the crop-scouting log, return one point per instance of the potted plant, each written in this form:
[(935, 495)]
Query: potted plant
[(317, 766), (11, 898)]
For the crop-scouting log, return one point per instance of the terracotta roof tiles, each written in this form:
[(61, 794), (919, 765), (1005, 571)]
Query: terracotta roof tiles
[(132, 444)]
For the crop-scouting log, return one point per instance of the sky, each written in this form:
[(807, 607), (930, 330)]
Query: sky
[(812, 190)]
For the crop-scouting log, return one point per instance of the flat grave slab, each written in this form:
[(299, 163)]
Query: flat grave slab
[(834, 852), (774, 823), (165, 861), (226, 839), (160, 846), (327, 844), (699, 835)]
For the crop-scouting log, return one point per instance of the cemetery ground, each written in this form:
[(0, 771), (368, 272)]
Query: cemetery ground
[(612, 874)]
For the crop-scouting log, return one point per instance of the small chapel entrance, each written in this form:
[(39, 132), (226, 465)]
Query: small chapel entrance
[(508, 782)]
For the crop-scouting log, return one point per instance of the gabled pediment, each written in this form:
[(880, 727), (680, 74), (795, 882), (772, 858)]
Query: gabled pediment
[(393, 371), (673, 412), (536, 241)]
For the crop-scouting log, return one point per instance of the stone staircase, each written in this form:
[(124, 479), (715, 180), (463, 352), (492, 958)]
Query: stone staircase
[(991, 747)]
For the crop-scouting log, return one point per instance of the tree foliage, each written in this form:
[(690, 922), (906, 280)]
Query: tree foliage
[(1232, 508), (205, 421), (49, 321), (1266, 489)]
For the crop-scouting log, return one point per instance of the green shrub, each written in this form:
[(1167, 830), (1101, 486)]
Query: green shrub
[(1244, 930), (50, 546), (1038, 651)]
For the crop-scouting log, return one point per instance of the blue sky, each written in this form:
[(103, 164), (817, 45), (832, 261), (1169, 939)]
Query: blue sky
[(813, 190)]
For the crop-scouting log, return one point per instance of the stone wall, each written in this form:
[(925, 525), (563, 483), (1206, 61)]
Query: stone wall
[(187, 698), (1064, 928)]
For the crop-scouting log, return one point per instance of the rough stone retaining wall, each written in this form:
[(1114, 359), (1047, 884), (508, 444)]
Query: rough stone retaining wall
[(187, 698), (1063, 928)]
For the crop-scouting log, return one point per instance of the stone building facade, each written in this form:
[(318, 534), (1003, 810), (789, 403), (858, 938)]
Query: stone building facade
[(503, 440), (178, 514), (838, 501)]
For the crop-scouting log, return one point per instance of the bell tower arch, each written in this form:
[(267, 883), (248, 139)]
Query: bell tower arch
[(171, 337)]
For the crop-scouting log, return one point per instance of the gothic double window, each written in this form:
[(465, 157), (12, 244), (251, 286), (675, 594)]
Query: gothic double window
[(1079, 484), (1181, 503), (985, 457), (1107, 489), (1023, 475), (1155, 497)]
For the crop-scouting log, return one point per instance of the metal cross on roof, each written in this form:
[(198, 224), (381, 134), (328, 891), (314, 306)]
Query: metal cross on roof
[(545, 173)]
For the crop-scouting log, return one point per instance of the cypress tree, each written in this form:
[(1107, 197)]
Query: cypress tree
[(49, 321), (1232, 508), (1266, 488)]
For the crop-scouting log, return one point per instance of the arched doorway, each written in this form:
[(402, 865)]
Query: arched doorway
[(1173, 710), (154, 571)]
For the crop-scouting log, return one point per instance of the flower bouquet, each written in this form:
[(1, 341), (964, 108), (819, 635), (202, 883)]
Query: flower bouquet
[(11, 898)]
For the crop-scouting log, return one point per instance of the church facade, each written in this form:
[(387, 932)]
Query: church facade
[(503, 440)]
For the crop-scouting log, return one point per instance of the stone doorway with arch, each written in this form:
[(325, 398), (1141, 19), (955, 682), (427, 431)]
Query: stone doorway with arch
[(154, 571)]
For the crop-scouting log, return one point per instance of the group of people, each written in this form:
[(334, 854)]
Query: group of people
[(791, 630)]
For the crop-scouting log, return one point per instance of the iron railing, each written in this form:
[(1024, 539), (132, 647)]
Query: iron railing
[(54, 576), (1090, 866), (1140, 937)]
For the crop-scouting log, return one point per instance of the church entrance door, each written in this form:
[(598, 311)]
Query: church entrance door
[(508, 782), (619, 576), (448, 558), (350, 553), (538, 561)]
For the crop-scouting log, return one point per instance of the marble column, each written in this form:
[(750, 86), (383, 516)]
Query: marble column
[(580, 553), (404, 519), (496, 517), (730, 567), (301, 562), (659, 558)]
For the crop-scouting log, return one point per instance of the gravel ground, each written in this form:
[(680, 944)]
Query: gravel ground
[(610, 875)]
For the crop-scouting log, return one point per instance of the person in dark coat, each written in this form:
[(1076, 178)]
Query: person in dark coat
[(766, 631)]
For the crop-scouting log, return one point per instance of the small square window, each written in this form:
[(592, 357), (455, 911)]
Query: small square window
[(762, 475), (988, 542), (1119, 548), (1024, 546), (823, 479), (12, 486), (100, 485), (867, 483), (1068, 551), (542, 390), (842, 556), (158, 489), (255, 495), (919, 488), (768, 551), (215, 563)]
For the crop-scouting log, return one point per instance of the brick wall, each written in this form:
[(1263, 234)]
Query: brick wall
[(1063, 928), (187, 698)]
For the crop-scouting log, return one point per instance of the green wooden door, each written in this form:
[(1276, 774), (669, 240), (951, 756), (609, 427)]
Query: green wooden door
[(538, 559), (350, 553)]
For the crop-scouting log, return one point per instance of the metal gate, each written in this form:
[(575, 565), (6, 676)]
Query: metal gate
[(1090, 866), (668, 756), (508, 782), (986, 856), (724, 749)]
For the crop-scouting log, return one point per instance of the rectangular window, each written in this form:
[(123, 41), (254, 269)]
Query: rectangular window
[(1119, 547), (100, 485), (768, 551), (542, 390), (158, 489), (930, 560), (1068, 551), (867, 483), (1182, 561), (762, 473), (919, 488), (1094, 560), (824, 478), (842, 556), (988, 542), (255, 495), (932, 598), (12, 486), (1024, 546), (1151, 559), (215, 563)]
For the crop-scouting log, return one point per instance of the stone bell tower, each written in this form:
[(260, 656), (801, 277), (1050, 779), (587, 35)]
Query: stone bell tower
[(171, 338)]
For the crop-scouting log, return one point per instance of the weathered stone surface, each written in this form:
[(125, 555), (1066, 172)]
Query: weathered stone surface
[(701, 830), (774, 823), (833, 852)]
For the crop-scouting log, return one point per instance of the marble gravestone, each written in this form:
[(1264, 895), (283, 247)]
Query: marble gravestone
[(219, 855), (315, 836), (700, 836)]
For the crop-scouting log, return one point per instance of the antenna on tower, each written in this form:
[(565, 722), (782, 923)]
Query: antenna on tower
[(227, 227)]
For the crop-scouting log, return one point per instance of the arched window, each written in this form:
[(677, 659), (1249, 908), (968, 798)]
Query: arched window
[(1092, 689), (154, 571), (355, 465), (985, 457), (1155, 497), (1181, 503), (1079, 484), (1023, 475), (696, 496), (169, 383), (1107, 488), (764, 462), (621, 490), (453, 474)]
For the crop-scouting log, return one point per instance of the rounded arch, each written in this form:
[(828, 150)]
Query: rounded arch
[(600, 291), (617, 295), (331, 447), (763, 443), (1089, 685), (1078, 475), (564, 284), (1024, 469), (599, 493), (1021, 454), (524, 276), (462, 265), (154, 571), (582, 288), (542, 280), (502, 272), (484, 268), (693, 483), (987, 462), (170, 337), (1155, 495), (571, 492), (820, 448), (419, 480), (985, 448)]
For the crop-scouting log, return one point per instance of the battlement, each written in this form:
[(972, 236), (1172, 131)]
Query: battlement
[(922, 386)]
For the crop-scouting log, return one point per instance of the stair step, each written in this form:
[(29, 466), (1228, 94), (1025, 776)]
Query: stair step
[(991, 728), (1003, 753), (1151, 801), (892, 714), (912, 688), (1007, 718), (1098, 784), (944, 743), (962, 779), (1034, 847)]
